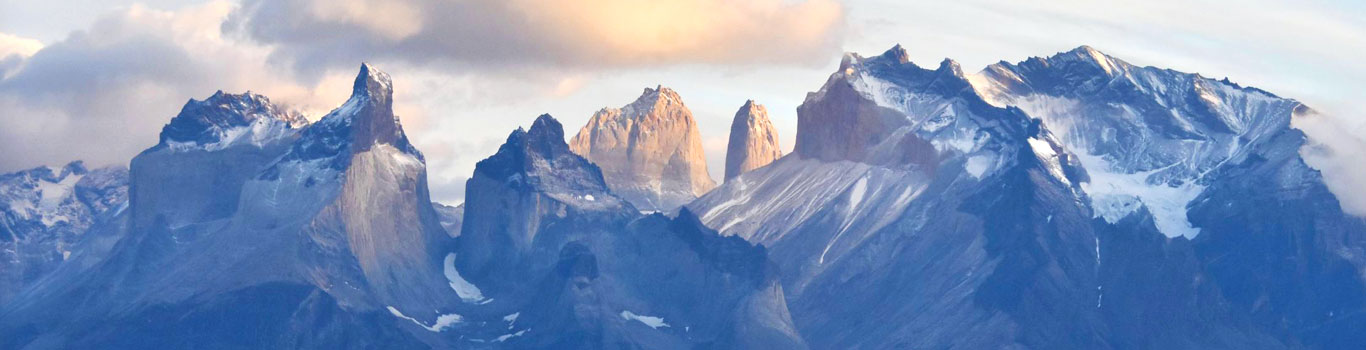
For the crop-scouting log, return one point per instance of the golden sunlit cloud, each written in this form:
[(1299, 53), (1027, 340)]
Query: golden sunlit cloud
[(14, 45), (712, 31), (580, 34)]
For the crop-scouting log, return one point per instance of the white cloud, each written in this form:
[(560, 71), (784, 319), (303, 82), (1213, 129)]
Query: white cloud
[(102, 94), (1336, 149)]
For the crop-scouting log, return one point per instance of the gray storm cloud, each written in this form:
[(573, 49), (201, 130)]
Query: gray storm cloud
[(101, 94)]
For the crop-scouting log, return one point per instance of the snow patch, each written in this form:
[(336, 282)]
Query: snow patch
[(54, 193), (1115, 195), (442, 321), (977, 165), (653, 322), (505, 337), (21, 208), (467, 291), (1049, 157), (856, 195)]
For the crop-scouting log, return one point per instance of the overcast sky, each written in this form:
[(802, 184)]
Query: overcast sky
[(96, 80)]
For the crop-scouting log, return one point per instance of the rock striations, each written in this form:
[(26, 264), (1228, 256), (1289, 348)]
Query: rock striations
[(650, 151), (753, 140), (911, 214)]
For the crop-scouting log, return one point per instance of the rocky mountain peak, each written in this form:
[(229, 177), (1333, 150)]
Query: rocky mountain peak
[(1087, 59), (886, 111), (951, 67), (753, 140), (374, 120), (539, 157), (222, 118), (660, 96), (547, 135), (650, 150), (366, 120), (898, 54), (373, 83)]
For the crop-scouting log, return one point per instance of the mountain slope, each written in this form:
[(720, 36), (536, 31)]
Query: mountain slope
[(914, 214), (930, 192)]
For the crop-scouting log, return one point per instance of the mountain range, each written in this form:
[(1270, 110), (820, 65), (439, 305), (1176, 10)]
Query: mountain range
[(1071, 201)]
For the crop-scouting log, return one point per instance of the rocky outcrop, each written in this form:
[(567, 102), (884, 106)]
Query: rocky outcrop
[(650, 150), (583, 269), (753, 140)]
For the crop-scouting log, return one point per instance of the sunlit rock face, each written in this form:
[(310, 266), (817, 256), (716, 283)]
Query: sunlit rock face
[(650, 151), (544, 238), (45, 213), (753, 140)]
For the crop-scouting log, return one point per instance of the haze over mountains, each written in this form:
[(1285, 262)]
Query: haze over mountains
[(1072, 201)]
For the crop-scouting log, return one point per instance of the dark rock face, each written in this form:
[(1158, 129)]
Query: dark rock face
[(45, 214), (753, 140), (544, 238)]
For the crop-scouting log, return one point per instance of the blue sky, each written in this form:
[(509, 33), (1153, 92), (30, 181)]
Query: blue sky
[(469, 72)]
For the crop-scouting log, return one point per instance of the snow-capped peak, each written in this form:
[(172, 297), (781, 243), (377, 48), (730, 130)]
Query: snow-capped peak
[(223, 120), (1147, 136), (373, 83)]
